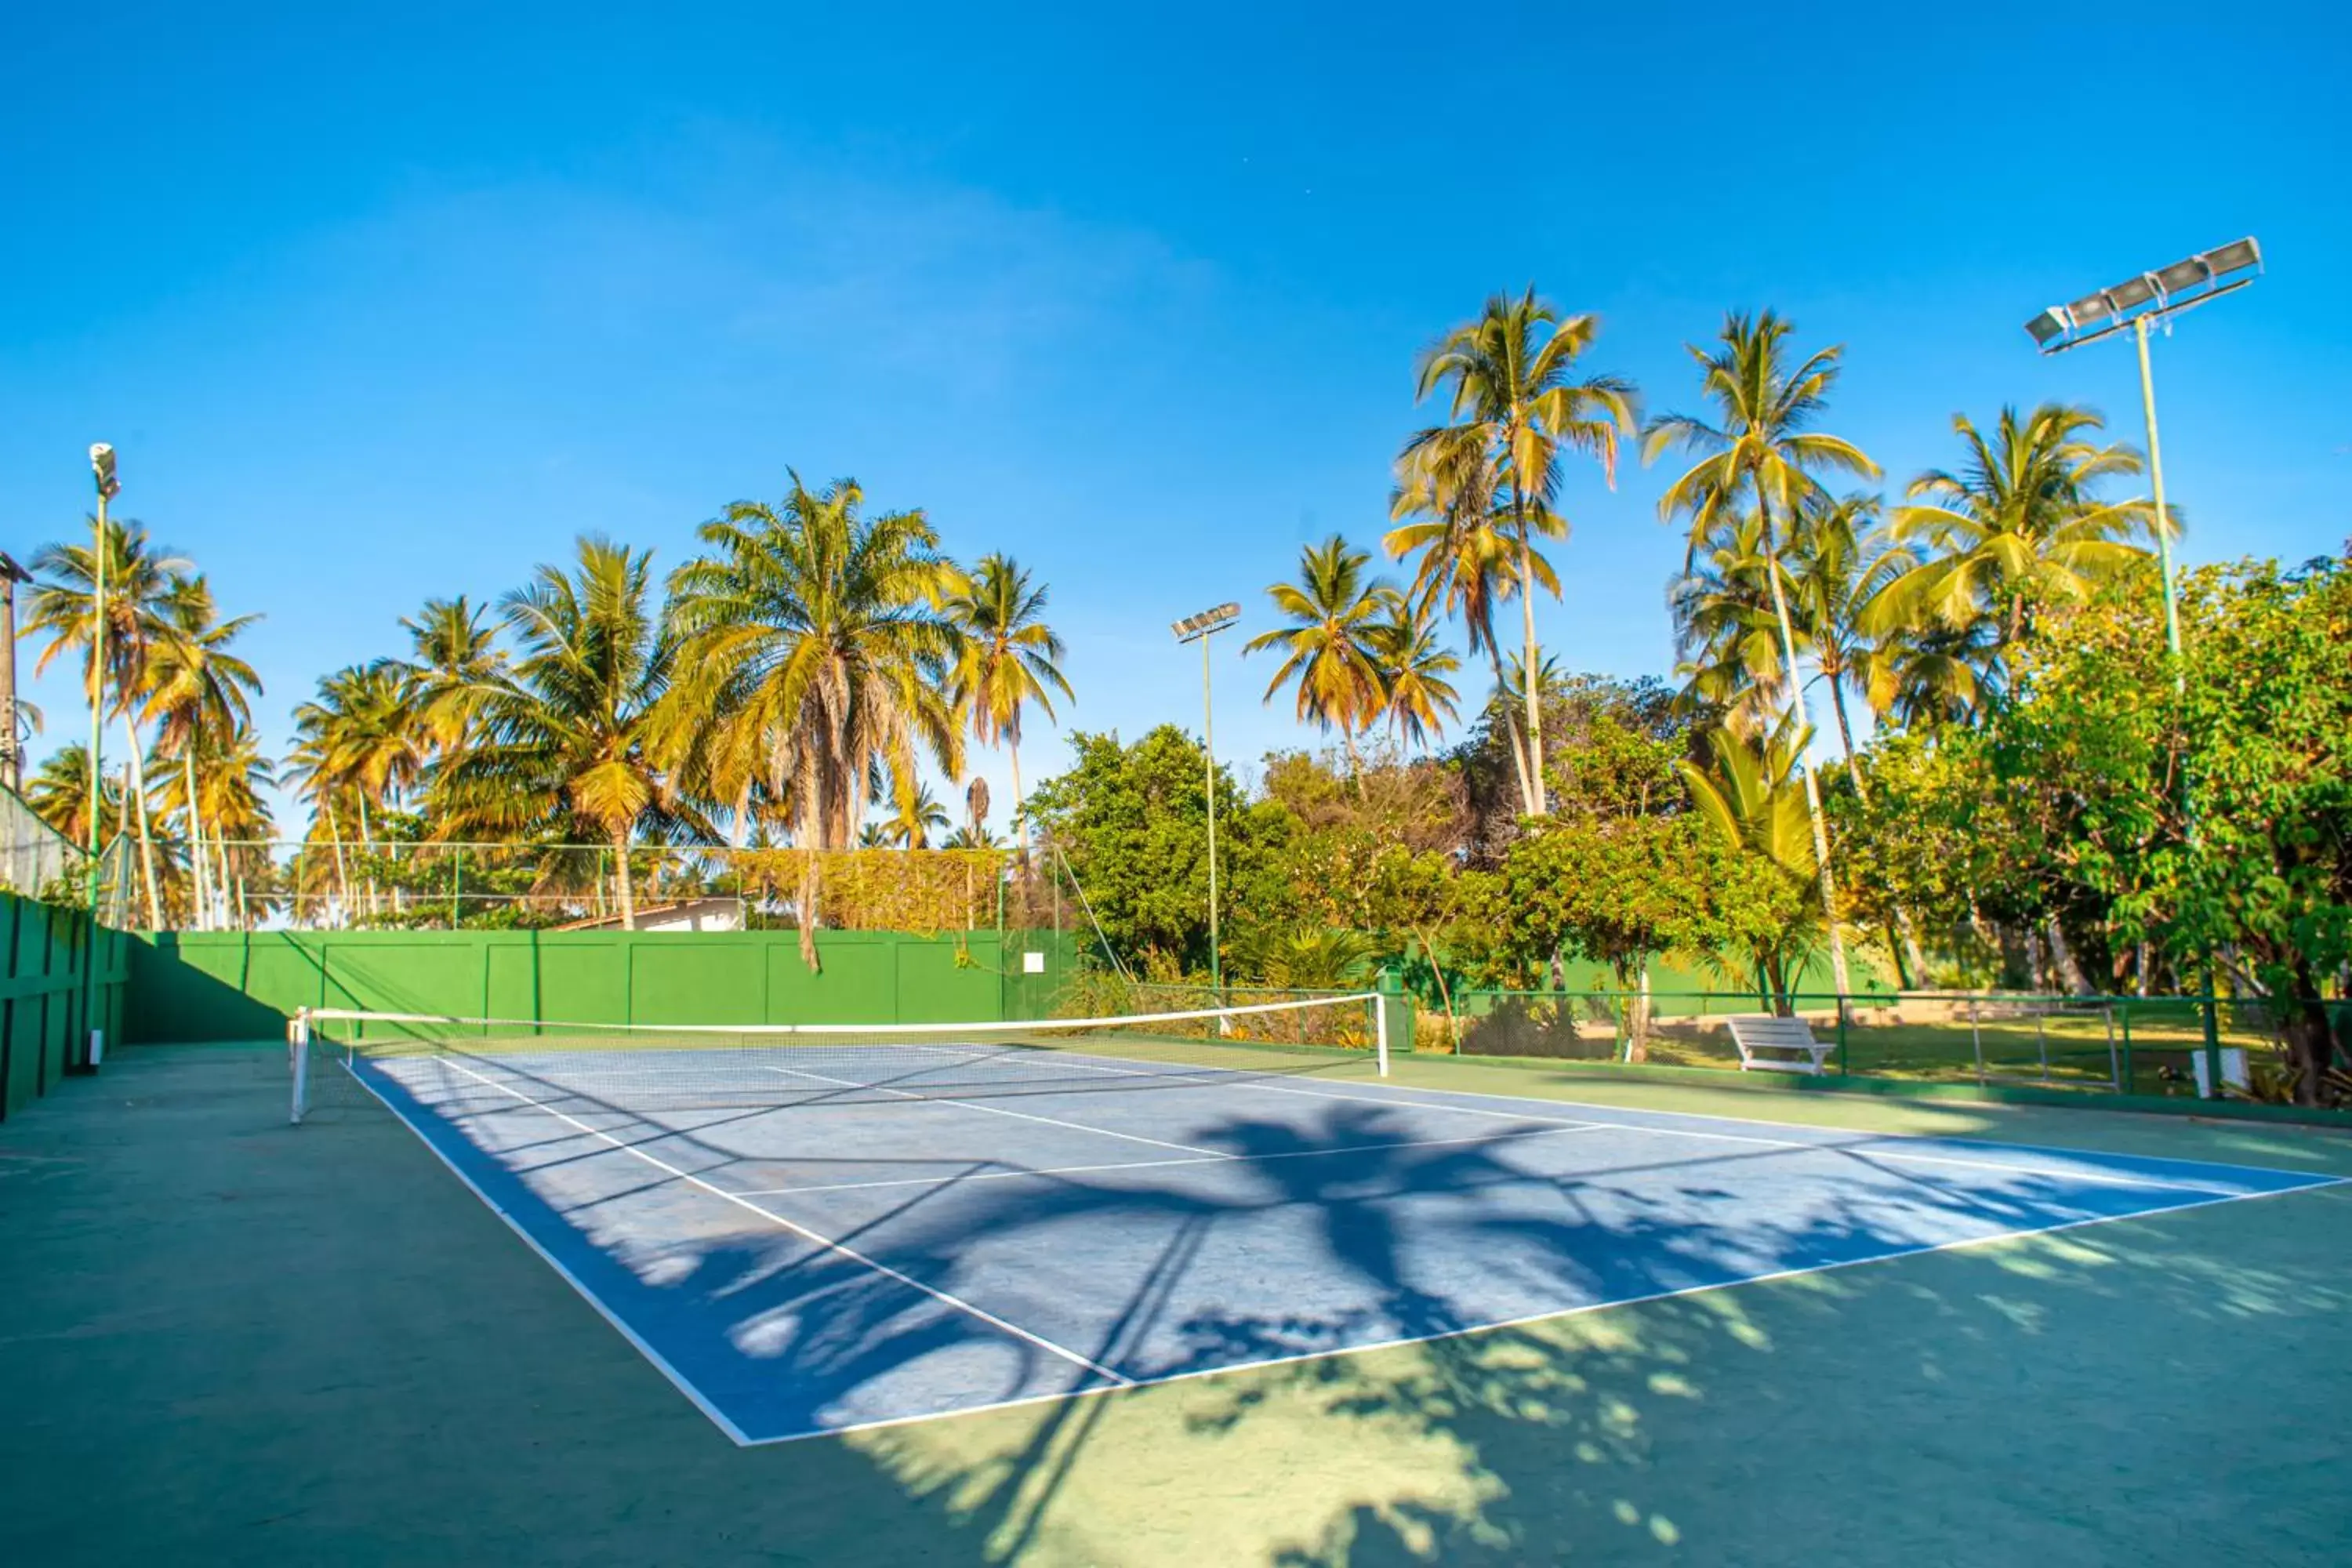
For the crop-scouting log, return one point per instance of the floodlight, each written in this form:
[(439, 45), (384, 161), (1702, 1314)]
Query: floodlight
[(101, 466), (1207, 621), (2165, 292)]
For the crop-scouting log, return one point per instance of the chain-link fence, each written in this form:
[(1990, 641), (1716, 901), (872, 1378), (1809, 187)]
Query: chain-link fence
[(2110, 1045)]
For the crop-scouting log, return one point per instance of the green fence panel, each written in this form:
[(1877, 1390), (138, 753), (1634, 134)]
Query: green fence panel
[(229, 985), (47, 991)]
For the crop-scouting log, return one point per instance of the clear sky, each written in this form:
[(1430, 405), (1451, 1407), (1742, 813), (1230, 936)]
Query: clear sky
[(379, 303)]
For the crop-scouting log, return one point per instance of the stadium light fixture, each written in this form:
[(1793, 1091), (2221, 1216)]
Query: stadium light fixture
[(1200, 629), (2132, 304)]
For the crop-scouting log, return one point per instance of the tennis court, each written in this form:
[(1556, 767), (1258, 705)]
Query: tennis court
[(811, 1232)]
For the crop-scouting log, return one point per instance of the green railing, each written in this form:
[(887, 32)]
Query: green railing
[(2106, 1045)]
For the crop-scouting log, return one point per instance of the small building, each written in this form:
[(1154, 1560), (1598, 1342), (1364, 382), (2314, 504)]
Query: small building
[(685, 914)]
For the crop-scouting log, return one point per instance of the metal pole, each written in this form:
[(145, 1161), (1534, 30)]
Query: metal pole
[(2179, 666), (97, 692), (1209, 779), (2163, 518), (11, 759)]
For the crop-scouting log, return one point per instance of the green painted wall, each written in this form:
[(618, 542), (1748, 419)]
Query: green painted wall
[(44, 996), (235, 985)]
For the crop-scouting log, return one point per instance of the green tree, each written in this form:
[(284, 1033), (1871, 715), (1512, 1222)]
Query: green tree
[(563, 745), (2019, 523), (1333, 648), (814, 647), (1131, 822), (1010, 658), (1414, 666), (1467, 562), (199, 694), (1759, 454), (138, 576), (1515, 402)]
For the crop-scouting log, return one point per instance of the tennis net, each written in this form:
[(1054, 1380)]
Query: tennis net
[(348, 1057)]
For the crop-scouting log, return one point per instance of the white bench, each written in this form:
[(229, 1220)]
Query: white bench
[(1759, 1033)]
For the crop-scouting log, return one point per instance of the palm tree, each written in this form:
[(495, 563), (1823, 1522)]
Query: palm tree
[(357, 747), (919, 815), (453, 663), (1420, 700), (58, 791), (2018, 522), (201, 695), (1445, 508), (562, 741), (1927, 675), (233, 779), (1010, 657), (1751, 793), (1833, 569), (1516, 401), (822, 634), (1726, 637), (1759, 454), (1331, 649), (138, 576)]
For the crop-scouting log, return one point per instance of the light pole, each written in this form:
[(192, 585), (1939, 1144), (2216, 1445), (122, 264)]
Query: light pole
[(12, 750), (2160, 295), (2156, 296), (101, 468), (1200, 629)]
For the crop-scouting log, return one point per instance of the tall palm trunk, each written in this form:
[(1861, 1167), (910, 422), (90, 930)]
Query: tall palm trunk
[(1913, 959), (199, 872), (628, 889), (343, 867), (137, 787), (1812, 790), (367, 848), (1511, 724), (1532, 781)]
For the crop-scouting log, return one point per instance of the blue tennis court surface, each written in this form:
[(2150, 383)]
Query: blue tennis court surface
[(958, 1229)]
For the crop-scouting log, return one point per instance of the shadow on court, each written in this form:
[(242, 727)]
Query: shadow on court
[(229, 1342)]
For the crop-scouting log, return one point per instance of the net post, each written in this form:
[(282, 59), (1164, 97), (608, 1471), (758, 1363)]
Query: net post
[(1380, 1030), (297, 1045)]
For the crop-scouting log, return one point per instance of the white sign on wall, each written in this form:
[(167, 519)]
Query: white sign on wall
[(1033, 963)]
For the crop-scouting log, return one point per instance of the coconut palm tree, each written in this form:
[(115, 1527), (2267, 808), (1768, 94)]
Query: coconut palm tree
[(1834, 567), (232, 781), (918, 816), (2018, 522), (1419, 701), (561, 746), (199, 694), (60, 792), (138, 577), (1758, 454), (822, 634), (1446, 512), (454, 662), (1750, 792), (1010, 658), (1726, 637), (1332, 649), (1516, 401)]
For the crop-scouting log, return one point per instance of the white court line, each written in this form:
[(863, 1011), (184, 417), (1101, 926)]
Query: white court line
[(1161, 1164), (959, 1304), (1000, 1111), (1340, 1352), (1391, 1098), (677, 1379)]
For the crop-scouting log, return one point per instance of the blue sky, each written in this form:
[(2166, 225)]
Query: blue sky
[(379, 305)]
